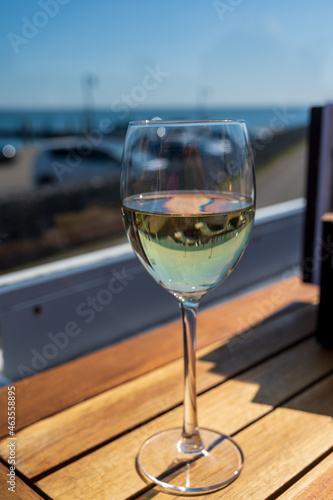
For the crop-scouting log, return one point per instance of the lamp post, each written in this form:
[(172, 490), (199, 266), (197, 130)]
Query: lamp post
[(88, 83)]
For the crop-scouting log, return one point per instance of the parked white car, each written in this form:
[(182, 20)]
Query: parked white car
[(72, 159)]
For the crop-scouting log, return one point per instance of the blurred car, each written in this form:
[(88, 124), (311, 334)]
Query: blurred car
[(73, 159)]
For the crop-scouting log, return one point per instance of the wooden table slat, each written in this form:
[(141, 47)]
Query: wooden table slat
[(317, 484), (227, 408), (90, 375)]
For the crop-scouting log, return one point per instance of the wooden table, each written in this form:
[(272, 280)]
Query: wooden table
[(262, 378)]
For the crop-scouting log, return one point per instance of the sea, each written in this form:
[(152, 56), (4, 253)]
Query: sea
[(20, 126)]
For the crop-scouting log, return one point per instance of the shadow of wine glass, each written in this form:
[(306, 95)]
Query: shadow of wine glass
[(293, 358)]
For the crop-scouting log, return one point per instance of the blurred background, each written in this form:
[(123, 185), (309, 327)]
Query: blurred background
[(75, 72)]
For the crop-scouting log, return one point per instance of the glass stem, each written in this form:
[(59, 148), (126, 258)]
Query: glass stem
[(190, 441)]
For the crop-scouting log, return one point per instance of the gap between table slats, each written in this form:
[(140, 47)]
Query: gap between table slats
[(21, 490), (316, 484)]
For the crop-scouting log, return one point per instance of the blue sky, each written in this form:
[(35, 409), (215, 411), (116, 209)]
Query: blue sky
[(219, 52)]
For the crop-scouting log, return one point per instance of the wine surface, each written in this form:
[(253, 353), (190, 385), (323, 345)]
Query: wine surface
[(188, 241)]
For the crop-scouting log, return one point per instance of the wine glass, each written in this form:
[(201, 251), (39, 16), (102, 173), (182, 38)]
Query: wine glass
[(188, 205)]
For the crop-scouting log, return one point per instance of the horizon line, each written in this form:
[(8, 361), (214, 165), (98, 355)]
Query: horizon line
[(209, 107)]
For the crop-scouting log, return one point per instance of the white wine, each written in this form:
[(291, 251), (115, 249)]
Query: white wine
[(188, 241)]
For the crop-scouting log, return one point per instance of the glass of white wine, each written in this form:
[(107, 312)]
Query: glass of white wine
[(188, 205)]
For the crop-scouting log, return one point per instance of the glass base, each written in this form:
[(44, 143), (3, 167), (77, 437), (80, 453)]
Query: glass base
[(161, 461)]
